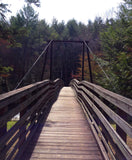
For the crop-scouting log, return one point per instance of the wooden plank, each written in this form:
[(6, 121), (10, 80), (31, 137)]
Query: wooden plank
[(82, 92), (64, 156), (15, 110), (116, 138), (94, 126), (41, 119), (121, 102), (65, 147), (13, 96), (7, 98), (115, 117), (22, 120), (66, 135), (46, 92)]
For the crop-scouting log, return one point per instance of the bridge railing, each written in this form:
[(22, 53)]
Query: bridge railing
[(105, 109), (33, 104)]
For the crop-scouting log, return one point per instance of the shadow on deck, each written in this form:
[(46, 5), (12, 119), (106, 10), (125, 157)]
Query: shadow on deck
[(66, 134)]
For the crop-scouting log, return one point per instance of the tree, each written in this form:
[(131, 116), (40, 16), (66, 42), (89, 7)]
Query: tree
[(72, 29), (59, 28), (36, 2), (117, 46), (23, 28), (3, 10)]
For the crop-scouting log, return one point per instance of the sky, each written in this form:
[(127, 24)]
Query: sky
[(64, 10)]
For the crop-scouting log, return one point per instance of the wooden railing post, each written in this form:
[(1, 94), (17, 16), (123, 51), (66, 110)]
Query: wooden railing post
[(29, 102), (22, 129), (122, 134), (3, 129), (100, 102)]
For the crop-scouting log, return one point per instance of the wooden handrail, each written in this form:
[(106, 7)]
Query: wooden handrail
[(96, 102), (33, 103)]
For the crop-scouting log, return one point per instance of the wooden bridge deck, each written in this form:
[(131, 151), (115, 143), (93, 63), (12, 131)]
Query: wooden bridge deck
[(66, 134)]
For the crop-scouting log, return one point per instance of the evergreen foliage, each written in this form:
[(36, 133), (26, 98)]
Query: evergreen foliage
[(116, 41), (24, 37)]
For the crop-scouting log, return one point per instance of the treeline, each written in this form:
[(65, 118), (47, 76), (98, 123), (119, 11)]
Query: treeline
[(24, 37)]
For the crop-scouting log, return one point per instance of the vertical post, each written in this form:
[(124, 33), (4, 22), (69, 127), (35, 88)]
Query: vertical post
[(83, 61), (122, 134), (3, 129), (62, 65), (22, 129), (89, 64), (45, 59), (51, 61)]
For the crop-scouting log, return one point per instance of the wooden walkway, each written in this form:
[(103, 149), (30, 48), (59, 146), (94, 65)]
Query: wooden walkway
[(66, 134)]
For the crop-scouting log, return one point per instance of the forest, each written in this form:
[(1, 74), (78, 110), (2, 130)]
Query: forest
[(23, 38)]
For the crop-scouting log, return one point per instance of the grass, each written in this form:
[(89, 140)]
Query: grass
[(10, 124), (129, 139)]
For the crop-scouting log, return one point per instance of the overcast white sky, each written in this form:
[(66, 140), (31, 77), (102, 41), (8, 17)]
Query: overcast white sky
[(81, 10)]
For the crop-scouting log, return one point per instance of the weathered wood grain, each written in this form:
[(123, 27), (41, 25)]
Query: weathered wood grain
[(114, 116), (33, 102), (66, 134), (92, 98), (121, 102)]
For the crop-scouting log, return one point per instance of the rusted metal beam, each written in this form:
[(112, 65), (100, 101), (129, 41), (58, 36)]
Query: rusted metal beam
[(89, 64), (44, 65), (83, 53), (69, 41), (51, 60)]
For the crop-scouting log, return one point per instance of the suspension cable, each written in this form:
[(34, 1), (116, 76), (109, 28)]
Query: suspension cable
[(26, 74), (98, 62)]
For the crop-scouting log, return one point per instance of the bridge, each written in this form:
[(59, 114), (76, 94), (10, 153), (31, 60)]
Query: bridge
[(80, 121)]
